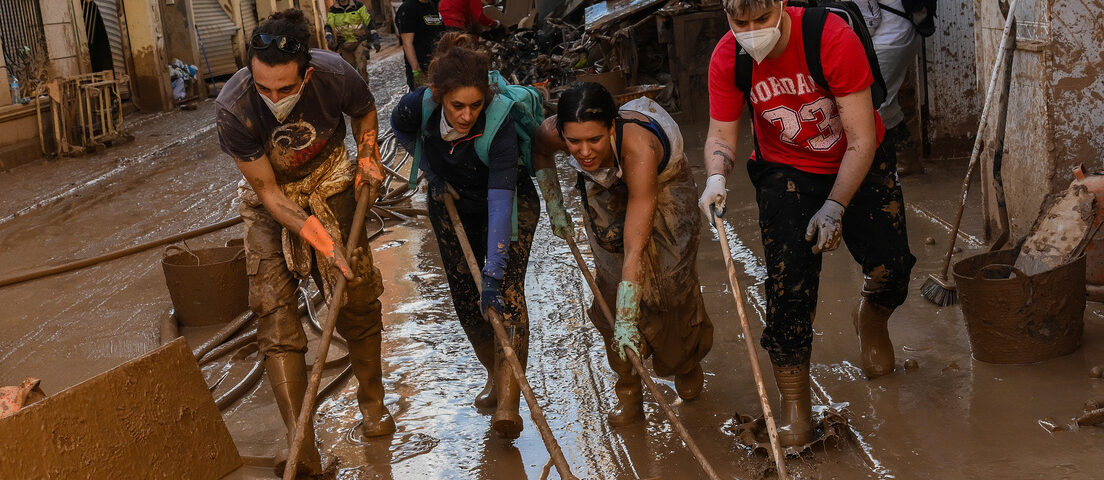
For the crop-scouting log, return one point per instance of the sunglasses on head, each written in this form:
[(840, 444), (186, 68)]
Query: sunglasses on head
[(263, 41)]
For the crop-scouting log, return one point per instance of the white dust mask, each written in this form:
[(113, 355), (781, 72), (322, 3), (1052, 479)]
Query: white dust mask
[(758, 43), (282, 108)]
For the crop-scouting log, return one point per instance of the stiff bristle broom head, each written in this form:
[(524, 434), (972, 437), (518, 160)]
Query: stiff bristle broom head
[(939, 290)]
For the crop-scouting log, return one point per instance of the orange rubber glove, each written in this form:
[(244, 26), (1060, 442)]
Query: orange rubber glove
[(316, 235)]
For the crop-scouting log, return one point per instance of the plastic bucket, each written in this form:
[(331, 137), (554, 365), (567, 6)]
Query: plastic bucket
[(208, 286), (1015, 318)]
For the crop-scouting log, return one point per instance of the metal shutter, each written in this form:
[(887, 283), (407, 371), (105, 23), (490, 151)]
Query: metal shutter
[(109, 11), (216, 30)]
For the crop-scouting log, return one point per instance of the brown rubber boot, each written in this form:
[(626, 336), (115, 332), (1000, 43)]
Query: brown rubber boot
[(365, 358), (506, 421), (485, 352), (689, 385), (629, 391), (875, 347), (794, 419), (287, 372)]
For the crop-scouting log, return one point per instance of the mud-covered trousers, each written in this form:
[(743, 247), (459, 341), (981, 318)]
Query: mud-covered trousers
[(356, 54), (465, 293), (272, 287), (873, 228)]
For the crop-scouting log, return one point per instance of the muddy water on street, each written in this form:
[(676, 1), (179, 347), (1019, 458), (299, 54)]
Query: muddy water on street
[(951, 418)]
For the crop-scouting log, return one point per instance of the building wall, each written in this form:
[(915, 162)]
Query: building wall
[(64, 42), (952, 78), (1054, 101), (5, 92), (179, 33)]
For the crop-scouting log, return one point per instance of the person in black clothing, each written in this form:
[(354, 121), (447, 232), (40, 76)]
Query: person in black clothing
[(420, 26), (486, 192)]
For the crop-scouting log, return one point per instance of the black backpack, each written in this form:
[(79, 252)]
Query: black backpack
[(812, 28), (920, 12)]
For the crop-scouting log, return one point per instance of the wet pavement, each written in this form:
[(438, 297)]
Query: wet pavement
[(953, 417)]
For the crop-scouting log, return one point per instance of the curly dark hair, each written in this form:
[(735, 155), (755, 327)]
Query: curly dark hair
[(289, 23), (459, 62)]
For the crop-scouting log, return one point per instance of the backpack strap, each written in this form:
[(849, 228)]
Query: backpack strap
[(744, 65), (428, 106), (812, 29), (495, 114), (895, 11)]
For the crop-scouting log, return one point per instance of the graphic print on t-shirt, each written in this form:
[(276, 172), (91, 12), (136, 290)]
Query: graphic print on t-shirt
[(796, 121), (816, 123), (299, 141)]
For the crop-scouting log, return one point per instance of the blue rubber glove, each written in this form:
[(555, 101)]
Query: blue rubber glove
[(626, 335), (553, 202), (492, 296)]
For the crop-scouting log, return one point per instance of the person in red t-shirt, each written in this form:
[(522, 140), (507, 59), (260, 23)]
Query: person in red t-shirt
[(821, 173), (463, 15)]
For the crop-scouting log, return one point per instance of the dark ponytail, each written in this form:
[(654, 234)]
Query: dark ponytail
[(457, 63), (585, 102)]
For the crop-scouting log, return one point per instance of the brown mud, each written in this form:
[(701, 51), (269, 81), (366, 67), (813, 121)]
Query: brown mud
[(977, 420)]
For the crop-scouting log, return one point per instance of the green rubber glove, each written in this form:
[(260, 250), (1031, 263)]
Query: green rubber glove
[(626, 335), (553, 202)]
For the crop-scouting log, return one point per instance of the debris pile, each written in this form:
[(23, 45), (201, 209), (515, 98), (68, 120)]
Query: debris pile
[(627, 45)]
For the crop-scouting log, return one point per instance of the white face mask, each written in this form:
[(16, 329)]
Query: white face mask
[(282, 108), (759, 43)]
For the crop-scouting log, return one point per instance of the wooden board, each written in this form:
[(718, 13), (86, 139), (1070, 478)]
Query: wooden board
[(149, 418)]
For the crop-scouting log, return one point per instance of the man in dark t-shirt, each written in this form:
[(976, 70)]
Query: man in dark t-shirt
[(420, 27), (282, 120)]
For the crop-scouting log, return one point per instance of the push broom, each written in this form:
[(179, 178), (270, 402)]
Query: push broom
[(939, 289)]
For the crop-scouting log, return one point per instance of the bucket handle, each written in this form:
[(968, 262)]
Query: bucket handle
[(1029, 287), (175, 249)]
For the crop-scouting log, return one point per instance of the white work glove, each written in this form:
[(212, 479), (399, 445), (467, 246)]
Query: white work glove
[(714, 195), (828, 222)]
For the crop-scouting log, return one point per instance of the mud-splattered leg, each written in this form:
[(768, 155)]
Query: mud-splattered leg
[(875, 233)]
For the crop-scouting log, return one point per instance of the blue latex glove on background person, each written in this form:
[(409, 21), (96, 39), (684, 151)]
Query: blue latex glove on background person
[(626, 335), (491, 295), (553, 202)]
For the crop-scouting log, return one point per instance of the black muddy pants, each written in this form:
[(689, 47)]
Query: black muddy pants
[(465, 294), (873, 228)]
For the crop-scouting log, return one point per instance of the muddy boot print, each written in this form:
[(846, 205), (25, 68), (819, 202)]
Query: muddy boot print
[(794, 418), (506, 421), (485, 352), (365, 358), (875, 347), (287, 372), (630, 396)]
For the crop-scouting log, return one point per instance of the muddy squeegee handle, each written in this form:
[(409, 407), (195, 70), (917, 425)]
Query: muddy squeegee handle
[(768, 415), (307, 412), (638, 365), (495, 319)]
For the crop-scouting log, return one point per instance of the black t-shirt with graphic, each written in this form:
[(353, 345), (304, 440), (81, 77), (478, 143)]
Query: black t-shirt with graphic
[(315, 128), (424, 21)]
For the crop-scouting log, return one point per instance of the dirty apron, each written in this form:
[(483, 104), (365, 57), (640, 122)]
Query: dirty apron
[(676, 329), (277, 260)]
